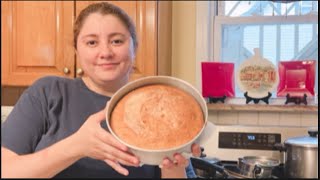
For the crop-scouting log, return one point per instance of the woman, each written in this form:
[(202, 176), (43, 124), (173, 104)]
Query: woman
[(58, 129)]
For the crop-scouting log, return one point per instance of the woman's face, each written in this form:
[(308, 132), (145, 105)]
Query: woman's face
[(105, 49)]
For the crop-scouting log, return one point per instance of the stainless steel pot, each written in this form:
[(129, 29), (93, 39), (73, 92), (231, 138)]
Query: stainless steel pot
[(155, 157), (302, 156), (252, 167), (257, 166)]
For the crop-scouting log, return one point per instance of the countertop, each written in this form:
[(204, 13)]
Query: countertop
[(275, 105)]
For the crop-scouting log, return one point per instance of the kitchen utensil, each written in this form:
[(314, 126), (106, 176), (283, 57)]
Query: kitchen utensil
[(301, 155), (248, 167), (257, 166), (155, 157)]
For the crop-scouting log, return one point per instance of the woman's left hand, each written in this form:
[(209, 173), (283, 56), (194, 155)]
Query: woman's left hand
[(175, 168)]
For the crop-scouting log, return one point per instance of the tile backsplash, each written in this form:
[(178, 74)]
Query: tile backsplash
[(296, 119)]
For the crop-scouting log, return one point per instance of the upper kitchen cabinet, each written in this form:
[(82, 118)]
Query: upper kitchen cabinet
[(36, 38)]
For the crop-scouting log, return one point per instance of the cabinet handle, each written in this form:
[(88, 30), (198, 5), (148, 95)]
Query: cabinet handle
[(66, 70), (79, 71)]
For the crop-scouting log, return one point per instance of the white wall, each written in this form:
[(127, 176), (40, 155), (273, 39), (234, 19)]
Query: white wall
[(183, 40)]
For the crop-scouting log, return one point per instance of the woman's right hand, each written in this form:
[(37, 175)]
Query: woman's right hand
[(95, 142)]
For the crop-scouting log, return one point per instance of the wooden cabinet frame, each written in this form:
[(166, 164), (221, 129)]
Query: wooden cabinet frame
[(20, 68)]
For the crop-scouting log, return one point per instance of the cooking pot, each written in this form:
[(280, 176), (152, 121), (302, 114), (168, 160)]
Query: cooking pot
[(155, 157), (301, 155), (257, 166), (248, 167)]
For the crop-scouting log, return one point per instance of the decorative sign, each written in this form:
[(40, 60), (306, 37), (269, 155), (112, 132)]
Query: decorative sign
[(257, 76)]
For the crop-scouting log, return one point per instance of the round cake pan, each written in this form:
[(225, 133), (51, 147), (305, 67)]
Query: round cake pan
[(155, 157)]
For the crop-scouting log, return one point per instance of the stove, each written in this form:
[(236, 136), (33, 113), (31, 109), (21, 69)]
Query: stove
[(231, 171), (226, 144)]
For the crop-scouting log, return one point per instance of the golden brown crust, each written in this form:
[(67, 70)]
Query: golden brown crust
[(157, 117)]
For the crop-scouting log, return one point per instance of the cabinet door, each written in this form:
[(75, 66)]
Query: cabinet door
[(144, 15), (36, 40)]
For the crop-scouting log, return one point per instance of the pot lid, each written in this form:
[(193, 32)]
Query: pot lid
[(260, 160), (305, 141)]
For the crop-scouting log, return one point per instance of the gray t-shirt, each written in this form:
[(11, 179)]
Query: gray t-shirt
[(52, 109)]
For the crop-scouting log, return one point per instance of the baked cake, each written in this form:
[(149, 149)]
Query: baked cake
[(157, 117)]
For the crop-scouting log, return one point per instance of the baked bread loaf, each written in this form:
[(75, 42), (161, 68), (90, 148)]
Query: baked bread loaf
[(157, 117)]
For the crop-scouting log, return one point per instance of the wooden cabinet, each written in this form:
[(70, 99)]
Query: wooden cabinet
[(37, 39)]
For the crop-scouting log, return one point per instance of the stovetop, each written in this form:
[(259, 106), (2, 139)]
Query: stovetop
[(229, 143), (232, 170)]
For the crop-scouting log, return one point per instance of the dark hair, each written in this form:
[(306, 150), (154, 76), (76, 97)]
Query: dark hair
[(104, 8)]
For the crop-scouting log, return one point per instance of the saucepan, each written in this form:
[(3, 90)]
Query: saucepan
[(301, 155), (155, 157), (257, 166), (248, 167)]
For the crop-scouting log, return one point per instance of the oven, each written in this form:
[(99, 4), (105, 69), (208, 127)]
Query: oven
[(224, 146)]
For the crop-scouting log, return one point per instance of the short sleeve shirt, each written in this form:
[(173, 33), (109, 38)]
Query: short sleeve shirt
[(52, 109)]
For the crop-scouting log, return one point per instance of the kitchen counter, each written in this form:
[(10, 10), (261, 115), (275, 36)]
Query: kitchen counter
[(275, 105), (263, 107)]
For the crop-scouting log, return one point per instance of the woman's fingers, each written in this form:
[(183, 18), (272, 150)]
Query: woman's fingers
[(123, 157), (99, 116), (180, 160), (195, 149), (103, 134), (127, 163), (116, 166), (177, 161), (107, 138), (166, 163)]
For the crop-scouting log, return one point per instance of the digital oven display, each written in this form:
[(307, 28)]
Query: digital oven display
[(251, 137), (250, 140)]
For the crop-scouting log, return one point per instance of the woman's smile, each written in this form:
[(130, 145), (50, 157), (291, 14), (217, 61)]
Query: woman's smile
[(108, 66)]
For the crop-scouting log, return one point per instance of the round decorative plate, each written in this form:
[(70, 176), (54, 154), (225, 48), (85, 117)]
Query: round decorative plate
[(257, 76)]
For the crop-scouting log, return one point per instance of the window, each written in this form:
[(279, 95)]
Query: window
[(282, 31)]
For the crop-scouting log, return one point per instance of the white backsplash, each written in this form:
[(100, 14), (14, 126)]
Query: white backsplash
[(286, 119)]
